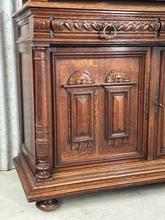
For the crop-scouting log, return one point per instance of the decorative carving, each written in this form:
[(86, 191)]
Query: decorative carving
[(83, 146), (81, 26), (41, 24), (115, 76), (137, 26), (80, 77), (117, 142), (97, 26)]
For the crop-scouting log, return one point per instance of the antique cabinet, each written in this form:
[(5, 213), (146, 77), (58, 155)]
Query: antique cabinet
[(92, 76)]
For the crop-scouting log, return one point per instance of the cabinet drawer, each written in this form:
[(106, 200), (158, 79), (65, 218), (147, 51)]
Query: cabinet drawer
[(98, 27)]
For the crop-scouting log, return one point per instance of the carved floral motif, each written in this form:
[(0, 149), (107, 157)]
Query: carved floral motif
[(81, 77), (117, 77)]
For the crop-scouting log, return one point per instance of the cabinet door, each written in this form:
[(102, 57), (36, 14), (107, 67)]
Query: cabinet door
[(100, 105), (157, 116)]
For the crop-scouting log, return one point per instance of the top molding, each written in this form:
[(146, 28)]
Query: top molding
[(76, 1), (104, 5), (97, 5)]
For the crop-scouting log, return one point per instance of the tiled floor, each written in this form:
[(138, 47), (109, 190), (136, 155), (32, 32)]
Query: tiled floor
[(142, 203)]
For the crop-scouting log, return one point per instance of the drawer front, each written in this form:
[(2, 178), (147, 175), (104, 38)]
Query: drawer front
[(100, 27), (99, 97)]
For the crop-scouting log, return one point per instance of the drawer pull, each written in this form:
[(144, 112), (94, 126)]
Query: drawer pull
[(111, 28), (158, 104)]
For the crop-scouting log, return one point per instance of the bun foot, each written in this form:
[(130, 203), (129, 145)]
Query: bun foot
[(47, 205)]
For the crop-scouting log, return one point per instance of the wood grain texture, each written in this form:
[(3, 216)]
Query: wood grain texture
[(92, 84)]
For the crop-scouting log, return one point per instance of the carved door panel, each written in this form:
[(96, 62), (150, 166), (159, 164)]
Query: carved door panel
[(100, 95), (157, 117)]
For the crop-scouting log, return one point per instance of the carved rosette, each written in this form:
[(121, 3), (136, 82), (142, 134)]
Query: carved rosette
[(43, 169)]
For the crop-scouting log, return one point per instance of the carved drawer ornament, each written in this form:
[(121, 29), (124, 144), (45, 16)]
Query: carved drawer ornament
[(81, 78)]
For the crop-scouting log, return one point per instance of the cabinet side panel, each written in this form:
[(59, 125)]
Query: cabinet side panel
[(26, 72)]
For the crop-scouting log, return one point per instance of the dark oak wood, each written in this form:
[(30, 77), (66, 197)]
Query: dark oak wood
[(92, 88)]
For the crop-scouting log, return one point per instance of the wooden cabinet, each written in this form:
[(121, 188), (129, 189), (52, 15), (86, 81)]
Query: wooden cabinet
[(92, 90)]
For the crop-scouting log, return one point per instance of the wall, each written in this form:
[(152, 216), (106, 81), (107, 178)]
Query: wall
[(9, 111)]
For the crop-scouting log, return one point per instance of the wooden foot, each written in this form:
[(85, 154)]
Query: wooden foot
[(47, 205)]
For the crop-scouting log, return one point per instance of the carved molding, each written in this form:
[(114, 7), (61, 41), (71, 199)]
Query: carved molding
[(97, 26), (115, 76), (81, 78)]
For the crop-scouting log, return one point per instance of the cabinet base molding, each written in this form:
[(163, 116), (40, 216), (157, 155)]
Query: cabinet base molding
[(131, 174)]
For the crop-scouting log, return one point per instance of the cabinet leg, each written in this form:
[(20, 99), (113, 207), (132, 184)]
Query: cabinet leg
[(47, 205)]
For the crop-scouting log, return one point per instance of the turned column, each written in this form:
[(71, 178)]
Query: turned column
[(42, 110)]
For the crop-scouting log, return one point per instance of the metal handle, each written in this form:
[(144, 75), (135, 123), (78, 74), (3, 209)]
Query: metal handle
[(111, 28), (157, 104)]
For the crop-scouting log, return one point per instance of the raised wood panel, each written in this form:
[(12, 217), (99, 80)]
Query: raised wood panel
[(82, 105), (107, 113), (117, 112), (81, 118)]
